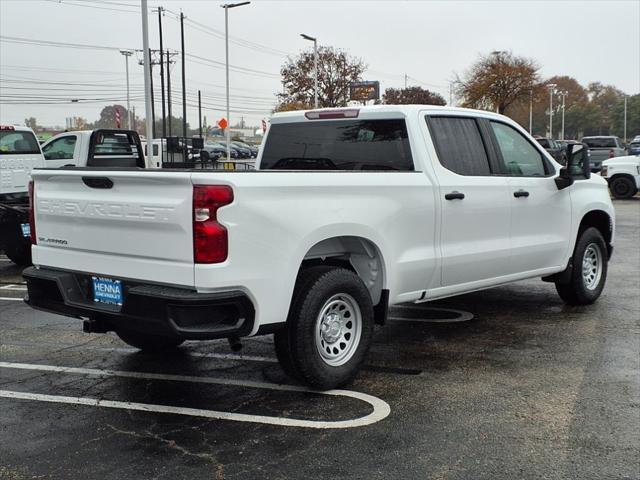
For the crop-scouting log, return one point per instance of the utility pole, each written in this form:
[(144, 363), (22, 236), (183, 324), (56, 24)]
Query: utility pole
[(405, 81), (625, 118), (184, 86), (531, 112), (199, 114), (153, 106), (551, 87), (164, 122), (127, 54), (450, 94), (169, 91), (226, 7), (315, 67), (147, 73)]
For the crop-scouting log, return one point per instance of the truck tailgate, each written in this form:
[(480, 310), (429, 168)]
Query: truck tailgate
[(125, 224)]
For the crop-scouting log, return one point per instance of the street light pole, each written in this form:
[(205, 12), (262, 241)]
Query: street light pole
[(531, 112), (315, 67), (226, 7), (127, 54), (563, 94), (551, 87)]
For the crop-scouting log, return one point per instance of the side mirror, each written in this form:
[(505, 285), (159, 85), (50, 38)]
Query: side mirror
[(578, 161), (565, 179)]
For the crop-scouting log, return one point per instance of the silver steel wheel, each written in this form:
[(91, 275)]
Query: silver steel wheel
[(592, 266), (338, 329)]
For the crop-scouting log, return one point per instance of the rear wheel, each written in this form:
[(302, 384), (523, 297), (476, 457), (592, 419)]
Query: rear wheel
[(148, 343), (329, 328), (623, 187), (19, 251), (589, 270)]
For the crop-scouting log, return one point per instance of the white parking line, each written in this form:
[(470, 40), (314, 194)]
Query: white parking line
[(380, 411), (11, 299), (13, 286)]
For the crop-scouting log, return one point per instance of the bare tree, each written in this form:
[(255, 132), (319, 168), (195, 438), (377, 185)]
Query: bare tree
[(336, 70), (412, 96), (498, 80)]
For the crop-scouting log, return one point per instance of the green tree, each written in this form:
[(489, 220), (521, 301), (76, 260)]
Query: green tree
[(633, 117), (336, 71)]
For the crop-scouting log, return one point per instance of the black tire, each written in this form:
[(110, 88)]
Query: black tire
[(623, 187), (148, 343), (577, 291), (296, 345), (19, 252)]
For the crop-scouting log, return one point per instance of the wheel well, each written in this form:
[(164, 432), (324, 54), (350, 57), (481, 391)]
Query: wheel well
[(600, 220), (626, 175), (354, 253)]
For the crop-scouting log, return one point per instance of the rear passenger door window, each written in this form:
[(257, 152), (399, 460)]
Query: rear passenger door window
[(520, 157), (459, 145)]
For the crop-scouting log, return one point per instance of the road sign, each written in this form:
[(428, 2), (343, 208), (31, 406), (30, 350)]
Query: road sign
[(223, 124)]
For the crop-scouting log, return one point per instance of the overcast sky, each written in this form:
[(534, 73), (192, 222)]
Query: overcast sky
[(430, 41)]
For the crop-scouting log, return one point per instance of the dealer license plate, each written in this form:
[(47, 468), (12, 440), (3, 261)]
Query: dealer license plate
[(107, 290)]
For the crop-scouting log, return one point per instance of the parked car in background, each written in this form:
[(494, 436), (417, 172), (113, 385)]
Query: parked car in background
[(602, 148), (20, 153), (623, 175), (244, 146), (634, 147), (239, 153), (554, 148)]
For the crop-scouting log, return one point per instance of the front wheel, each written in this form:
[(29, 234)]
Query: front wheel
[(623, 187), (148, 343), (589, 270), (329, 328)]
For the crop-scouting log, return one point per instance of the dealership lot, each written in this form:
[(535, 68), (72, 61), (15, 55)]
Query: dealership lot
[(516, 385)]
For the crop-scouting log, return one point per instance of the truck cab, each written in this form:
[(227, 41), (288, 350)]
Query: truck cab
[(94, 148)]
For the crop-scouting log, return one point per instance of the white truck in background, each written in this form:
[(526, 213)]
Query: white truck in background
[(19, 154), (94, 148), (623, 175), (350, 211)]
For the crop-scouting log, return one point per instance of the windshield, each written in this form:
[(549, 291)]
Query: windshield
[(12, 142), (338, 145), (544, 142)]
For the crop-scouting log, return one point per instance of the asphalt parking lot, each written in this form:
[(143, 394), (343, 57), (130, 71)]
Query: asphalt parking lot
[(527, 388)]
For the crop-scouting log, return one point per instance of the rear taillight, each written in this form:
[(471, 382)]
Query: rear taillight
[(210, 239), (32, 213), (612, 153)]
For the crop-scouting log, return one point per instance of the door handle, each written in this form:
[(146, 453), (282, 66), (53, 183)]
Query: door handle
[(521, 193), (454, 196), (98, 182)]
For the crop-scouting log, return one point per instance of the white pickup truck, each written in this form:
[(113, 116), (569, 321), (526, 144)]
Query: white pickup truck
[(351, 210), (623, 175)]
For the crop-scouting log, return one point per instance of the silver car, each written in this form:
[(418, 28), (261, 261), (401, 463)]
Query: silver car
[(602, 148)]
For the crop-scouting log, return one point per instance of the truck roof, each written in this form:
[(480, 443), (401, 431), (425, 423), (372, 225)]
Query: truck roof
[(378, 111)]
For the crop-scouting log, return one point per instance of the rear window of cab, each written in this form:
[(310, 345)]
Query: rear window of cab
[(338, 145), (18, 143)]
